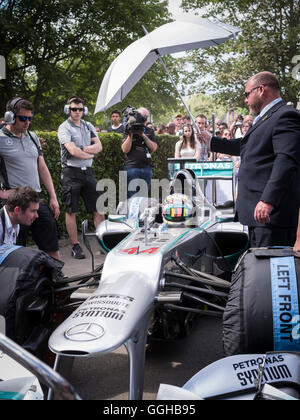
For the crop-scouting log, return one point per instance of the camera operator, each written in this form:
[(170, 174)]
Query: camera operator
[(138, 143)]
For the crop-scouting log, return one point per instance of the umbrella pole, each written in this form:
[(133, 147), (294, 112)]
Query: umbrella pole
[(173, 83)]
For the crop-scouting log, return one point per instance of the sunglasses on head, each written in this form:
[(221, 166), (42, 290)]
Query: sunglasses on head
[(76, 109), (23, 118)]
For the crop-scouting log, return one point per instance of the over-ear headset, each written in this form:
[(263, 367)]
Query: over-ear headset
[(71, 99), (10, 115)]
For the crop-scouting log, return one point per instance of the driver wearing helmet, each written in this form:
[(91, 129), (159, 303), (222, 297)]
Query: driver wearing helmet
[(178, 208)]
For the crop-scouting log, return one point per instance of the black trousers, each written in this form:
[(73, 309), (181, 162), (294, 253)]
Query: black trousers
[(44, 230), (271, 236)]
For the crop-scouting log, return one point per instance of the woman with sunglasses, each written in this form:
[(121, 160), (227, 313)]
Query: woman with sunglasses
[(188, 146)]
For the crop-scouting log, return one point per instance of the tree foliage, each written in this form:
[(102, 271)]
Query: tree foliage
[(208, 105), (57, 48), (270, 40)]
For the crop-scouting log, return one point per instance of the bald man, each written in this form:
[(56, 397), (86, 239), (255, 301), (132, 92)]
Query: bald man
[(267, 200)]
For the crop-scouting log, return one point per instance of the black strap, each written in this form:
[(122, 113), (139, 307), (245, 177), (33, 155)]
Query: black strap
[(39, 149), (2, 215), (3, 175)]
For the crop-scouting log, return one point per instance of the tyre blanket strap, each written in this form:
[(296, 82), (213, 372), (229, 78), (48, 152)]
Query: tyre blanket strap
[(5, 250), (285, 304)]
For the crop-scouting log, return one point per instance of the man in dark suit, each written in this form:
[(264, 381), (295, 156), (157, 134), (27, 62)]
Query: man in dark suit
[(267, 200)]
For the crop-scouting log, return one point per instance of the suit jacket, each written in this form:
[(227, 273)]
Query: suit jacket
[(269, 170)]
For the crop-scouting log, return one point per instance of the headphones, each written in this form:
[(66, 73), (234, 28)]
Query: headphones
[(67, 107), (10, 115)]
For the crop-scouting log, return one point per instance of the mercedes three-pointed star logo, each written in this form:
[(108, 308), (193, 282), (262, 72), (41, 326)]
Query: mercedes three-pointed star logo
[(84, 332)]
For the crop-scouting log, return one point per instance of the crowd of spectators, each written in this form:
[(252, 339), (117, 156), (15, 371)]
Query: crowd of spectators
[(137, 149)]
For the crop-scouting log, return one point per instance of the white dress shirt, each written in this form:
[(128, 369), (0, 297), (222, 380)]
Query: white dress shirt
[(11, 231)]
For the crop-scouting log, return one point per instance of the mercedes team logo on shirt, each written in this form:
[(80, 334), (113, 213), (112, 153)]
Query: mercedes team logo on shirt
[(84, 332)]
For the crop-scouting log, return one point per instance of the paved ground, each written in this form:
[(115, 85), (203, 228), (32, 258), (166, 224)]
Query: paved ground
[(171, 362), (73, 267)]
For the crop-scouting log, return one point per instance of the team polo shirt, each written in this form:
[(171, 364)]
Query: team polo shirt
[(19, 163), (81, 136)]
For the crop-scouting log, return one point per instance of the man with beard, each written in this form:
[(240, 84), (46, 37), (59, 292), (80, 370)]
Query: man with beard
[(267, 200)]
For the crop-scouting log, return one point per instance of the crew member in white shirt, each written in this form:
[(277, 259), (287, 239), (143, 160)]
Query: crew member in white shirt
[(21, 208)]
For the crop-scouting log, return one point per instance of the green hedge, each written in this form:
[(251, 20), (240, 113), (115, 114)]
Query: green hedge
[(106, 164)]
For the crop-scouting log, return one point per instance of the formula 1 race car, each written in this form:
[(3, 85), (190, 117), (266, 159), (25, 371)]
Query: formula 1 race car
[(166, 263)]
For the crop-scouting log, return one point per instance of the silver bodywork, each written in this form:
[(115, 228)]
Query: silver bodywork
[(132, 282), (21, 374), (242, 377)]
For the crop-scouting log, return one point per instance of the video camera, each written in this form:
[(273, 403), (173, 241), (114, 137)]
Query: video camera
[(134, 121)]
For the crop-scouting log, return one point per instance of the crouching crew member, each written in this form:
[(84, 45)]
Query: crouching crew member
[(21, 208)]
